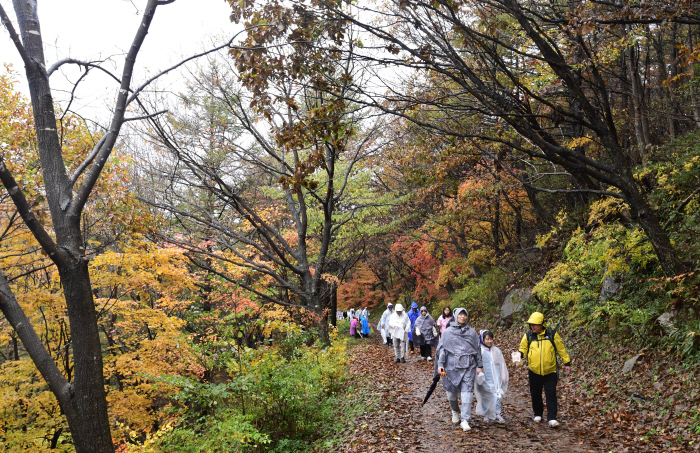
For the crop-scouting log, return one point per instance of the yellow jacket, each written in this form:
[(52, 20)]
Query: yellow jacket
[(541, 357)]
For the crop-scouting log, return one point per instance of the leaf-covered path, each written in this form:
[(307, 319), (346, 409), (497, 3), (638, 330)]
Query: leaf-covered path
[(400, 424)]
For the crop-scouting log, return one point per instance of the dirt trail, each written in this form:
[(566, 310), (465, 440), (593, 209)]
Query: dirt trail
[(400, 424)]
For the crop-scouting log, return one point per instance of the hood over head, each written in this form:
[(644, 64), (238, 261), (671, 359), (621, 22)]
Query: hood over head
[(399, 307)]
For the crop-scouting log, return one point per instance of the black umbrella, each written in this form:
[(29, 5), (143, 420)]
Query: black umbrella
[(436, 379)]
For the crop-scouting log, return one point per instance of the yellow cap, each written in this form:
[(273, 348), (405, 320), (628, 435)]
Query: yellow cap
[(536, 318)]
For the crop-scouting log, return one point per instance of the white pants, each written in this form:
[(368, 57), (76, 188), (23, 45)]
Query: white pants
[(466, 403), (399, 348)]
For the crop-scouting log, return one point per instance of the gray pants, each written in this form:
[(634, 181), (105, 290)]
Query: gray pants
[(399, 348), (466, 403)]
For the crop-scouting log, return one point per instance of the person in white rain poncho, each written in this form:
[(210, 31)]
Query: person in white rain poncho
[(490, 393), (399, 326), (383, 325), (352, 313)]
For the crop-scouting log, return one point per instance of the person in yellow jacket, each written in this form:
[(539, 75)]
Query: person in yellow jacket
[(540, 347)]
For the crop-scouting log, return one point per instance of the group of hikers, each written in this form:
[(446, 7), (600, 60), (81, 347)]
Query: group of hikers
[(469, 363), (359, 322)]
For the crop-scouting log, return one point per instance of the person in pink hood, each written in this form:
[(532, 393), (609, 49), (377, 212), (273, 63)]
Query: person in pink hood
[(353, 327)]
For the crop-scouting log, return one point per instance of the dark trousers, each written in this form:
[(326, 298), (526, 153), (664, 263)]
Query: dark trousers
[(425, 350), (549, 383), (410, 345), (389, 341)]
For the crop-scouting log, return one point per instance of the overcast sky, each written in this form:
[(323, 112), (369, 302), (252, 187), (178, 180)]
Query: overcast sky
[(99, 29)]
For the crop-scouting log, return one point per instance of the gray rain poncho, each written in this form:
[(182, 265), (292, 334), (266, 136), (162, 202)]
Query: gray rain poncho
[(495, 383), (425, 325), (459, 352)]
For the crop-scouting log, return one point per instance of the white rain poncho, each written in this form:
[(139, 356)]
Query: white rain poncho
[(383, 324), (495, 385), (399, 326)]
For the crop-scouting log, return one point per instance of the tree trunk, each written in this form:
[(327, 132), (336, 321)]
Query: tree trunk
[(334, 304), (641, 124)]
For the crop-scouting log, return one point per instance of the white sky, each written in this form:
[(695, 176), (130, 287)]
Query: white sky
[(98, 29)]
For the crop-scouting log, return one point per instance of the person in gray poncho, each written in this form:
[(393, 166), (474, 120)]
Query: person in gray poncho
[(425, 334), (459, 361)]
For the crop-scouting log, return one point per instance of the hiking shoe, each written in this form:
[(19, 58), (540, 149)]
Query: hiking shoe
[(486, 420), (429, 359), (455, 417), (465, 426), (403, 360), (553, 424), (537, 419), (398, 360), (500, 419)]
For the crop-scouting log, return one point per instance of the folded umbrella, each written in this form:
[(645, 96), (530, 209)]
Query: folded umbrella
[(436, 379)]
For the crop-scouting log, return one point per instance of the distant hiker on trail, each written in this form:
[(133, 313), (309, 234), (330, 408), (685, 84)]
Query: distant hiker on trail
[(353, 327), (399, 328), (489, 394), (365, 326), (352, 313), (365, 313), (444, 319), (413, 314), (459, 360), (540, 346), (425, 334), (383, 325)]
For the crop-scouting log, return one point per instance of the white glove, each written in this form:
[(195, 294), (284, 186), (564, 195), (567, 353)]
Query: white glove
[(418, 332), (480, 378)]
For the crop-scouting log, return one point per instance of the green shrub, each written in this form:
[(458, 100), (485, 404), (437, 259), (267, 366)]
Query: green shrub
[(478, 295)]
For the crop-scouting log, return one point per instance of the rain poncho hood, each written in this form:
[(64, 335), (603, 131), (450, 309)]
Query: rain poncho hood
[(353, 326), (459, 352), (536, 318), (399, 325), (425, 325), (495, 384)]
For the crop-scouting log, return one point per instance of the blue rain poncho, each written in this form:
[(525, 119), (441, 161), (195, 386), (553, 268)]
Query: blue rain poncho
[(365, 325), (495, 383), (412, 315), (459, 353)]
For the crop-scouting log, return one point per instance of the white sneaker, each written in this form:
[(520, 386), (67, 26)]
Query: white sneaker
[(455, 417), (537, 419), (553, 424), (429, 358), (465, 426), (486, 420), (500, 419)]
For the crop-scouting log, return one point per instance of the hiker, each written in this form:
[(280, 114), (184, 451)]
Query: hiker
[(413, 314), (444, 319), (383, 325), (459, 361), (353, 327), (399, 328), (540, 345), (425, 334), (365, 313), (352, 313), (365, 326), (489, 394)]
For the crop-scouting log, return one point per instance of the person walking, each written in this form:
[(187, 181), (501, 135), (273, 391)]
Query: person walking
[(365, 326), (352, 313), (413, 314), (540, 346), (444, 320), (383, 325), (490, 393), (459, 361), (353, 327), (425, 334), (399, 328)]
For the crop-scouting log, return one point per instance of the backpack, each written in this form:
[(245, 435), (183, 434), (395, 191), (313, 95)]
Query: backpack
[(548, 333)]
